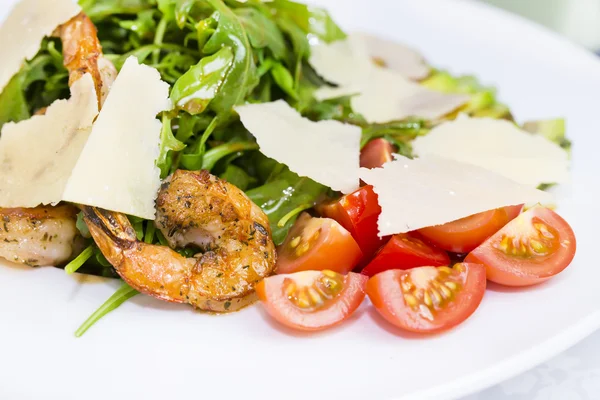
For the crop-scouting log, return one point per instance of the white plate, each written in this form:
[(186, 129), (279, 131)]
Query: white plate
[(149, 349)]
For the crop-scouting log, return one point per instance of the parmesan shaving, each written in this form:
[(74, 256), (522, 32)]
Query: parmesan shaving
[(117, 169), (325, 151), (25, 27), (38, 155), (379, 94), (430, 191), (396, 56), (498, 146)]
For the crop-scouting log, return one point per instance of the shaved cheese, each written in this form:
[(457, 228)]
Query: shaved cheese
[(117, 169), (396, 56), (351, 53), (38, 155), (22, 32), (498, 146), (430, 191), (325, 151), (379, 94), (388, 97)]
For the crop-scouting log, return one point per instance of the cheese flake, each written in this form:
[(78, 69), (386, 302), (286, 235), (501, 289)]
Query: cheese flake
[(325, 151), (430, 191), (25, 27), (38, 155), (117, 168), (498, 146), (379, 94), (396, 56)]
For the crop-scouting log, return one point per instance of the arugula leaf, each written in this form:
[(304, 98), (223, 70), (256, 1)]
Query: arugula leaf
[(144, 25), (284, 79), (238, 177), (82, 226), (483, 102), (312, 20), (197, 87), (283, 198), (241, 79), (101, 9), (400, 131), (13, 106), (262, 31)]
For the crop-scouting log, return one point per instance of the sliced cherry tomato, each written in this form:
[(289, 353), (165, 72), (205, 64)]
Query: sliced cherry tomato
[(312, 300), (463, 235), (533, 247), (376, 153), (428, 299), (405, 251), (358, 213), (317, 244)]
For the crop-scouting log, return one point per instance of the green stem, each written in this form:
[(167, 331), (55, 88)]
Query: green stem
[(216, 153), (158, 38), (284, 220), (85, 255), (150, 229), (207, 132), (124, 293)]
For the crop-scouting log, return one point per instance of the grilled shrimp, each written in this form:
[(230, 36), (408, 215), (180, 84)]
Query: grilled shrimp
[(39, 236), (193, 208), (47, 235), (81, 50)]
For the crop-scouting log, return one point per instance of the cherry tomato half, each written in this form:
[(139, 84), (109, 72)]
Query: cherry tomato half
[(376, 153), (405, 251), (312, 300), (358, 213), (317, 244), (532, 248), (428, 299), (463, 235)]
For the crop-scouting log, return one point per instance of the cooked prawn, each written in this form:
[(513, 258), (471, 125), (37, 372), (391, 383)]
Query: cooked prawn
[(47, 235), (39, 236), (193, 208), (81, 50)]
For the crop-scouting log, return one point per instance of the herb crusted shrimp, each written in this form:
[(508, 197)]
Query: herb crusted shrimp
[(194, 208)]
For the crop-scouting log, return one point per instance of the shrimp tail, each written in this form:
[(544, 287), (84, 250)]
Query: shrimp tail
[(81, 50)]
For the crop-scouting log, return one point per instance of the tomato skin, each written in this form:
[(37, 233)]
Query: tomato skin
[(271, 292), (333, 249), (385, 292), (516, 270), (465, 234), (376, 153), (405, 251), (358, 213)]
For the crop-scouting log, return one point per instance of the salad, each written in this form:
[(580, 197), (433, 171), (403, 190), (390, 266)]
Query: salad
[(269, 156)]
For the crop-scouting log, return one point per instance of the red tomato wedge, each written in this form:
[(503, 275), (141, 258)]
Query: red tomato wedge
[(376, 153), (463, 235), (405, 251), (532, 248), (358, 213), (428, 299), (312, 300), (317, 244)]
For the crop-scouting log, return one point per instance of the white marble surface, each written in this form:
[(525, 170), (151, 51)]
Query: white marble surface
[(572, 375)]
